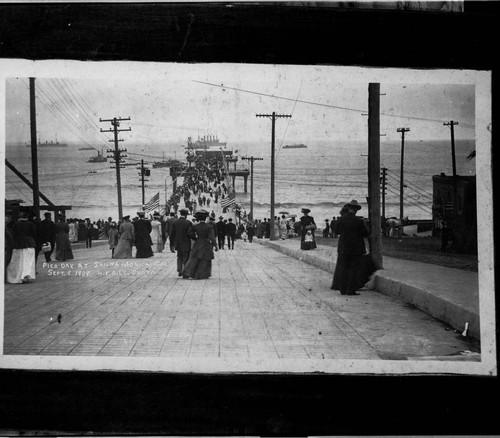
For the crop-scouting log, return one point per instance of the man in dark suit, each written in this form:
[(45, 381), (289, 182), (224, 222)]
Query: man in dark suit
[(221, 232), (170, 221), (351, 249), (48, 234), (143, 242), (231, 233), (211, 222), (180, 232)]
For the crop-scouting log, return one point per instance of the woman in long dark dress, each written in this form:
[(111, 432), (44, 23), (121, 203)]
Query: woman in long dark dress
[(354, 267), (307, 227), (199, 265), (335, 281), (63, 243)]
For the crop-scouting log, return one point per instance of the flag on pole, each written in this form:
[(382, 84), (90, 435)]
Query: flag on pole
[(153, 204), (229, 200)]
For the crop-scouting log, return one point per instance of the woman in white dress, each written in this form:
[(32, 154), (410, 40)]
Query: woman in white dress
[(156, 234), (283, 229), (22, 267), (73, 231)]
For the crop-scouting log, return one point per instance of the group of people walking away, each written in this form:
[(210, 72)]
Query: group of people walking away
[(146, 235), (26, 238), (193, 261)]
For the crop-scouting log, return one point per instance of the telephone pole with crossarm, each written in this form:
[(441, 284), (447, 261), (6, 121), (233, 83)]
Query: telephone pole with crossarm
[(251, 159), (117, 156), (273, 118)]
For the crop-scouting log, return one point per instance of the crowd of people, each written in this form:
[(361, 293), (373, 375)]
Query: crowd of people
[(204, 183), (193, 240), (28, 236)]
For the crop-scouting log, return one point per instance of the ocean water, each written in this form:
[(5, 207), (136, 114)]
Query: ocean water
[(321, 177)]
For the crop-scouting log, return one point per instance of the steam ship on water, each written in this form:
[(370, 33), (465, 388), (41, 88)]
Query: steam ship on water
[(294, 146), (205, 143), (99, 158), (49, 144)]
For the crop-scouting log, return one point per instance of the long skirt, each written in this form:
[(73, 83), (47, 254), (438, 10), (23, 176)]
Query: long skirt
[(158, 246), (64, 252), (198, 269), (22, 266), (307, 245), (123, 249), (143, 250), (351, 275)]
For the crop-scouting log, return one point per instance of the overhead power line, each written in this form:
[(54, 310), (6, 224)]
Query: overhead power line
[(326, 105)]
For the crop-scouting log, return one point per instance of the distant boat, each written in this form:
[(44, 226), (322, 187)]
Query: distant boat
[(99, 158), (51, 144), (92, 171), (207, 142), (166, 163), (294, 146), (87, 148)]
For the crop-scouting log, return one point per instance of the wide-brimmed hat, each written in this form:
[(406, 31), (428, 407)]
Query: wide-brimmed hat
[(126, 217), (221, 217), (184, 210), (354, 204), (141, 214), (305, 210)]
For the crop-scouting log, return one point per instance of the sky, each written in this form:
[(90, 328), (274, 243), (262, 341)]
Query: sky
[(175, 101)]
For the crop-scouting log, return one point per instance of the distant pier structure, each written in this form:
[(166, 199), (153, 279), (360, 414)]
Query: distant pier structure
[(240, 171), (209, 146)]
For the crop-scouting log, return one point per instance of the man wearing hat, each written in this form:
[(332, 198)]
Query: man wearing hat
[(90, 233), (48, 234), (231, 233), (351, 249), (211, 222), (179, 238), (221, 232), (143, 242)]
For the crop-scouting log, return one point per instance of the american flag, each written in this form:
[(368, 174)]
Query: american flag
[(226, 202), (153, 204)]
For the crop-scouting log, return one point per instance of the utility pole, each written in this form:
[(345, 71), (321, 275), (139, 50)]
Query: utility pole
[(251, 159), (375, 238), (144, 171), (273, 118), (451, 124), (117, 155), (457, 238), (34, 151), (383, 188), (401, 182)]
